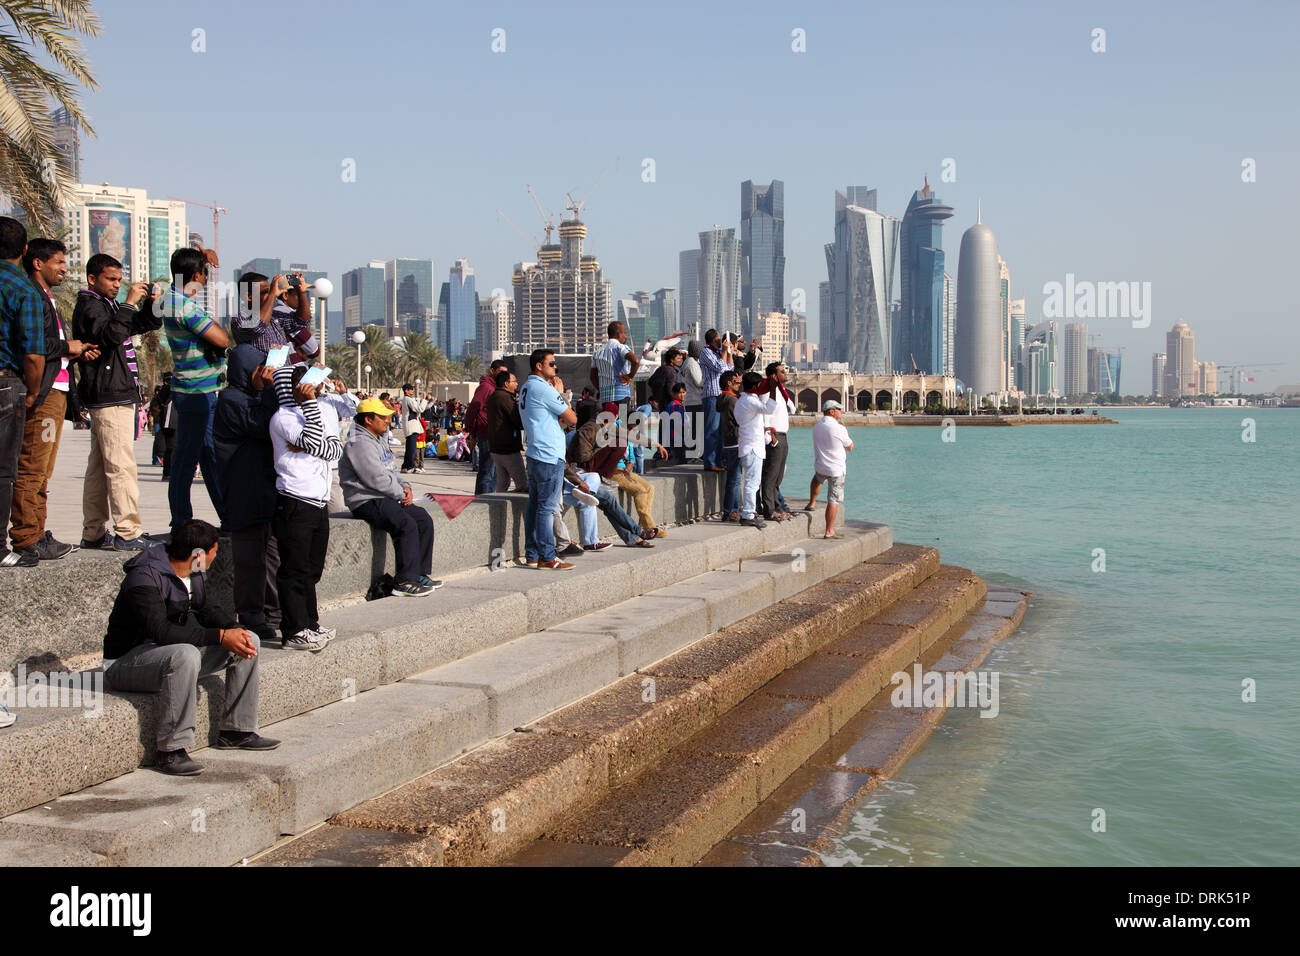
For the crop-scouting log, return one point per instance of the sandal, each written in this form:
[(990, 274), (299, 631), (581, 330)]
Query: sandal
[(640, 543)]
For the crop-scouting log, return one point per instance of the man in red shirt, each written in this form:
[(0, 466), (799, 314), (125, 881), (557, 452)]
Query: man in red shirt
[(476, 430)]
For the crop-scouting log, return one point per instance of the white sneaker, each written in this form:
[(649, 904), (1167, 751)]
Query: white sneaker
[(305, 640), (6, 718), (326, 634), (586, 497)]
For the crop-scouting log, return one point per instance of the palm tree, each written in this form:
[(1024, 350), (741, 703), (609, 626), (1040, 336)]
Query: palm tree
[(33, 174), (379, 353), (473, 366), (341, 357), (420, 358)]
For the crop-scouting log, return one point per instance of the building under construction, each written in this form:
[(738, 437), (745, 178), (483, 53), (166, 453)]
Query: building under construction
[(562, 301)]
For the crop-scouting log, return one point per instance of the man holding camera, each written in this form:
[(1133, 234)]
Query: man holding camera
[(198, 345), (109, 387)]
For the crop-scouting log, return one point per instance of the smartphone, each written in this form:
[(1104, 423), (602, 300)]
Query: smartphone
[(277, 357), (315, 375)]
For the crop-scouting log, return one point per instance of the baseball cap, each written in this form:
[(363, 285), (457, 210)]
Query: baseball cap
[(831, 403), (373, 406)]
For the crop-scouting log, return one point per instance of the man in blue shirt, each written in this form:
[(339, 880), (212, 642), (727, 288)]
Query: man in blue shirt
[(22, 366), (613, 366), (544, 413)]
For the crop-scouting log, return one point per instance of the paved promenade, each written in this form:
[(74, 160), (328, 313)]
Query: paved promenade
[(64, 518)]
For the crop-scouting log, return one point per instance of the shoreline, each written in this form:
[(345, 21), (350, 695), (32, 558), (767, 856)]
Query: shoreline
[(889, 421)]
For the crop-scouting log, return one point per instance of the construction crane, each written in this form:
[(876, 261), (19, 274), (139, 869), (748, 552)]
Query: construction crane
[(575, 205), (1236, 369), (520, 230), (217, 211), (548, 218)]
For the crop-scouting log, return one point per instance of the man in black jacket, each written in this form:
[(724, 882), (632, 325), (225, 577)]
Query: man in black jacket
[(504, 428), (109, 388), (163, 635), (241, 440)]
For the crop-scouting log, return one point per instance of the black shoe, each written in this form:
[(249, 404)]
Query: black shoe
[(18, 559), (57, 543), (105, 542), (135, 544), (754, 522), (177, 763), (47, 549), (245, 740), (572, 551)]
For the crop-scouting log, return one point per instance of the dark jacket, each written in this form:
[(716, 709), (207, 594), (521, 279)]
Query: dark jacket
[(661, 384), (241, 441), (476, 422), (55, 349), (108, 380), (730, 427), (152, 607), (503, 423)]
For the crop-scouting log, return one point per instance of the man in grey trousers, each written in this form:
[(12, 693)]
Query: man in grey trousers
[(163, 635)]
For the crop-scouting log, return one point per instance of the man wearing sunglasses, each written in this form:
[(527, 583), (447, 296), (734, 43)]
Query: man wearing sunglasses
[(545, 414)]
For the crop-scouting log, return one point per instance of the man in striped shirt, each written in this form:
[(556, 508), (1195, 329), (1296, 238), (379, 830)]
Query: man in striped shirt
[(613, 366), (198, 345)]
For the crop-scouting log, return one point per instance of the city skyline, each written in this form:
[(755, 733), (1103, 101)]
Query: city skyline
[(1070, 201)]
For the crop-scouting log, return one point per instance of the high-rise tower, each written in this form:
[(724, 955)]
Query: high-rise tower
[(762, 250), (860, 267), (919, 335), (979, 311)]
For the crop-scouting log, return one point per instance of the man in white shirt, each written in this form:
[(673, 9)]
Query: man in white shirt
[(754, 403), (777, 425), (831, 443), (613, 367)]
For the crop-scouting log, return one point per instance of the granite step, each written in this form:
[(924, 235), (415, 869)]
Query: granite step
[(368, 741)]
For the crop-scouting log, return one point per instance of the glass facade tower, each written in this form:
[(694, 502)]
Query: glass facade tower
[(762, 250), (919, 334)]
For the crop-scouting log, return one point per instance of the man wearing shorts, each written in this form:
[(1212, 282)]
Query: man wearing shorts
[(831, 444)]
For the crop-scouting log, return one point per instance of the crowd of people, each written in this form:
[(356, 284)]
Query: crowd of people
[(281, 446)]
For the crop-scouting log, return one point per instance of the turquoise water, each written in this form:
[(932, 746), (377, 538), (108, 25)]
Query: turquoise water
[(1122, 690)]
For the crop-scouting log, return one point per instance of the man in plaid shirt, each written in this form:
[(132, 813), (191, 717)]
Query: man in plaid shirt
[(22, 365), (613, 366)]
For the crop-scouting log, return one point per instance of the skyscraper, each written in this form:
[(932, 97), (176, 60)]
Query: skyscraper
[(1075, 377), (563, 302), (919, 334), (1157, 374), (762, 249), (67, 140), (1004, 297), (126, 224), (1180, 361), (949, 324), (496, 318), (978, 332), (719, 280), (1041, 360), (860, 267), (408, 296), (458, 312), (688, 281), (1016, 309), (363, 297)]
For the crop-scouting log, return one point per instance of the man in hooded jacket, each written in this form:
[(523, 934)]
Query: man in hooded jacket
[(242, 444)]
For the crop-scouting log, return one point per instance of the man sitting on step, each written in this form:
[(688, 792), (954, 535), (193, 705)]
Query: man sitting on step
[(163, 635), (375, 492)]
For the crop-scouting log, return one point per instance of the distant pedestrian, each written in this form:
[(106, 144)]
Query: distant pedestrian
[(409, 408), (756, 401), (693, 377), (160, 410), (478, 435), (831, 443), (728, 392), (777, 425)]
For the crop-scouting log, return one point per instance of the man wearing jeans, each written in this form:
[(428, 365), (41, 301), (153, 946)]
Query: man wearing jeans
[(613, 366), (544, 414), (22, 361), (163, 636), (478, 434), (714, 360), (198, 347)]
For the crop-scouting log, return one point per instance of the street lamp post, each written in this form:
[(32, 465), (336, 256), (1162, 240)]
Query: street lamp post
[(367, 378), (359, 337)]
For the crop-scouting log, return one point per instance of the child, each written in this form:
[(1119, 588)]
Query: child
[(304, 441)]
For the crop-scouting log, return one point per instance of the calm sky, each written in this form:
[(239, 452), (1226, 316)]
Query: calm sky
[(1124, 165)]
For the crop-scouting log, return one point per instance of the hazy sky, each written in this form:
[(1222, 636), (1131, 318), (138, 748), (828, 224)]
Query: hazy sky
[(1124, 165)]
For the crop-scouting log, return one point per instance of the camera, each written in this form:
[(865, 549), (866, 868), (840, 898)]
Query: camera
[(295, 282)]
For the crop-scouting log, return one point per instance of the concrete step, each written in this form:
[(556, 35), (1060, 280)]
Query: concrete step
[(338, 755), (44, 627), (676, 810), (495, 800), (824, 794), (52, 751)]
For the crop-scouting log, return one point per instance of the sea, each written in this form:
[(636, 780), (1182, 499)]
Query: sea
[(1148, 710)]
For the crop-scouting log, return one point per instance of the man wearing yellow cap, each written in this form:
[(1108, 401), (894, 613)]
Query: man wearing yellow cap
[(375, 492)]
